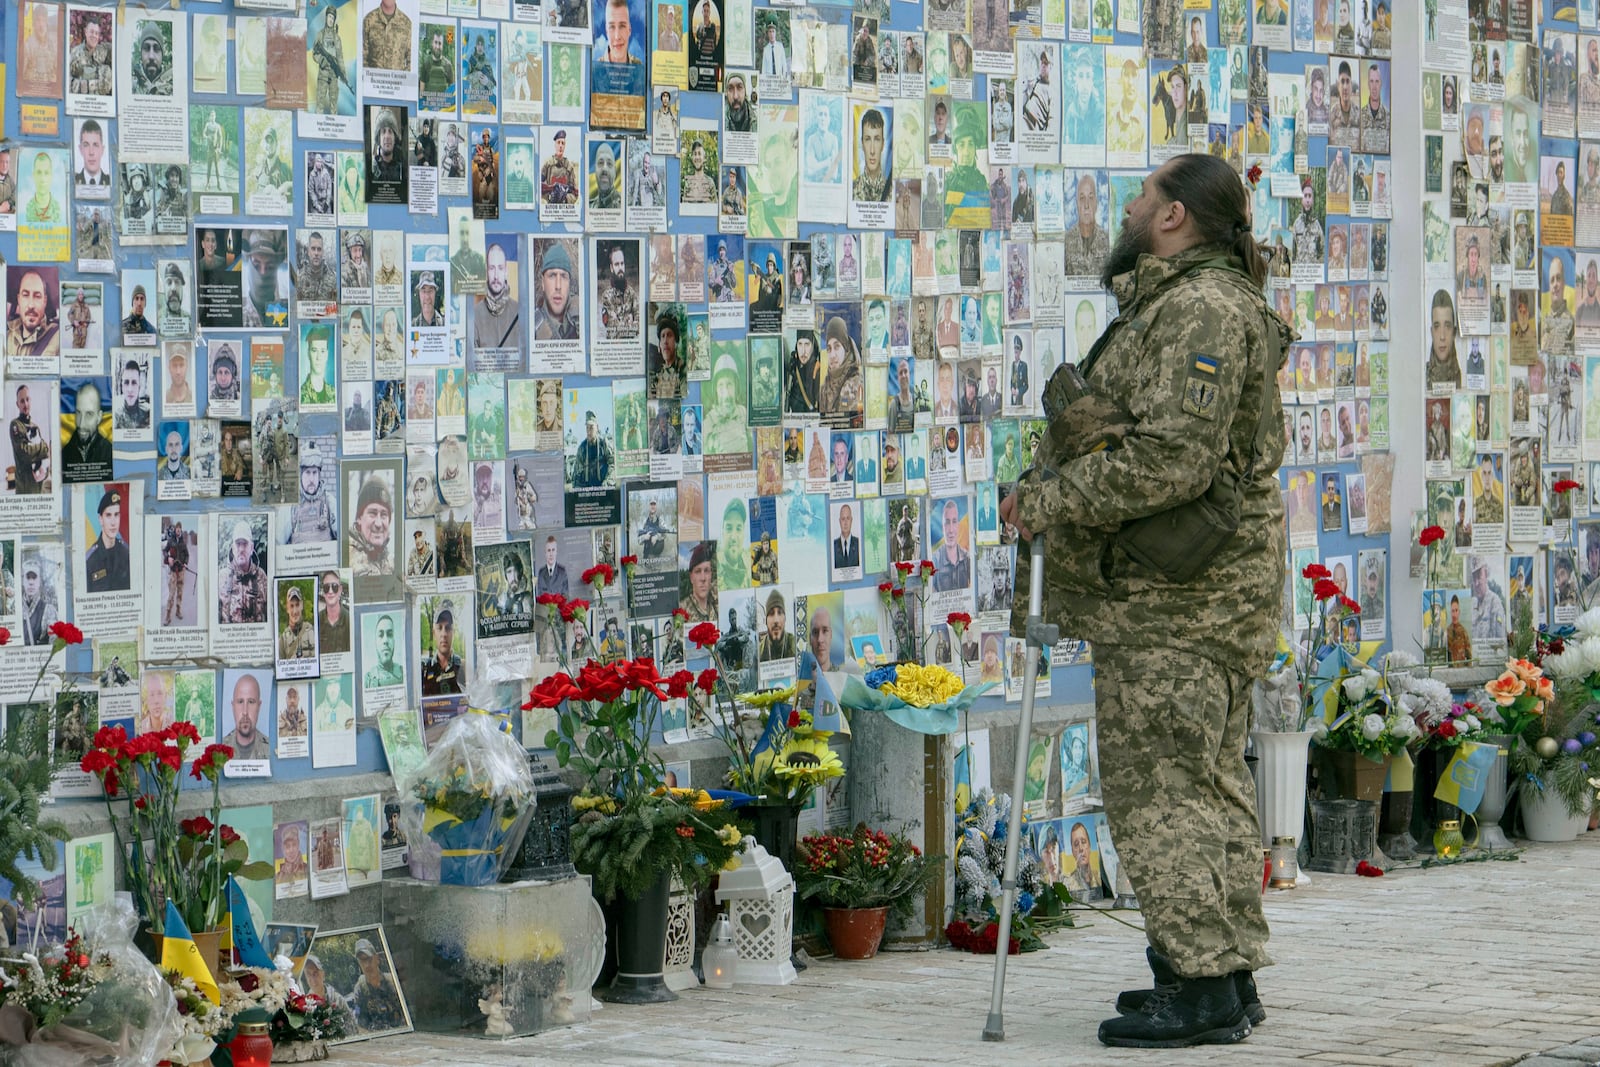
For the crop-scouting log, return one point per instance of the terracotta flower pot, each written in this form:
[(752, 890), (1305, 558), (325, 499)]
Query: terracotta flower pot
[(855, 933), (1351, 776)]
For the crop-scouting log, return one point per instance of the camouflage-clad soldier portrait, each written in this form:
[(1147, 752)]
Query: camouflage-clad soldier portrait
[(619, 294), (386, 37), (152, 58), (242, 593)]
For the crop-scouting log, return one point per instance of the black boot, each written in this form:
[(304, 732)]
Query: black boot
[(1202, 1011), (1244, 984), (1132, 1000)]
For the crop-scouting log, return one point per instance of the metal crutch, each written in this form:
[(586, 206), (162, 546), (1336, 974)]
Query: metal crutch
[(1039, 637)]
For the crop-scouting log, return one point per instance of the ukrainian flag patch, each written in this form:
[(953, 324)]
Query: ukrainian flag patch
[(1200, 391)]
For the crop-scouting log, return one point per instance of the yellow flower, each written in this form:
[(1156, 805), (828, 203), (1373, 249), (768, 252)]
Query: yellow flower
[(807, 760), (923, 686), (729, 835), (733, 864), (766, 698)]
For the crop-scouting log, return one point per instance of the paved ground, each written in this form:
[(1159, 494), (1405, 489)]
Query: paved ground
[(1471, 966)]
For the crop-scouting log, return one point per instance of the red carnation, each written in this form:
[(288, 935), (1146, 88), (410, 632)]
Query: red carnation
[(707, 681), (679, 613), (926, 567), (183, 731), (1349, 605), (572, 608), (551, 692), (1313, 571), (958, 621), (905, 566), (705, 634), (554, 600), (899, 593), (1565, 485), (5, 635), (67, 633), (1325, 589), (1368, 870), (678, 684), (1253, 175), (599, 576), (1429, 535), (629, 561), (600, 683), (885, 587)]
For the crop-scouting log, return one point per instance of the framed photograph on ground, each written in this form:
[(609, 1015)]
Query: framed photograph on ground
[(356, 965)]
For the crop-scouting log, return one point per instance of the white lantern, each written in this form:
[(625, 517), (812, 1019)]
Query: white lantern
[(760, 899), (678, 970), (720, 960)]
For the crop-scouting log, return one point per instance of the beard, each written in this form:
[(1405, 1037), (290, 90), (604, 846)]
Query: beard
[(619, 282), (1133, 242)]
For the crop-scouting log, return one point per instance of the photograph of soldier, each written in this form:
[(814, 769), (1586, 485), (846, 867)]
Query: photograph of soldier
[(276, 446), (497, 314), (297, 635), (223, 387), (311, 519), (86, 425), (242, 593), (357, 970), (557, 312), (34, 328), (371, 550), (173, 464), (317, 280), (107, 565), (558, 178), (442, 673), (618, 270), (32, 465), (486, 176), (386, 36), (387, 175)]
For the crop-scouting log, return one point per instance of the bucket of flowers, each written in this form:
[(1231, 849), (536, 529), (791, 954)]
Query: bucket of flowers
[(1355, 748), (1551, 711)]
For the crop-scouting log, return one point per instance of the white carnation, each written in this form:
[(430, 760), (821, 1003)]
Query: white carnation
[(1399, 660), (1430, 698), (1372, 727)]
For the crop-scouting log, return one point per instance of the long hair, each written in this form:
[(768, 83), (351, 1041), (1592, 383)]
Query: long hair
[(1211, 191)]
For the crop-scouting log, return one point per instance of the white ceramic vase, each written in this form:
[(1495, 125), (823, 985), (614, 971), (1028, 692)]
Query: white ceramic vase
[(1544, 815), (1281, 783)]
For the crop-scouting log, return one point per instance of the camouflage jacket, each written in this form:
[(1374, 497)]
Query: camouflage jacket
[(1186, 357)]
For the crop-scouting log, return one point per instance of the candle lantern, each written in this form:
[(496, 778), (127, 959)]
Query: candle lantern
[(720, 960), (1285, 862)]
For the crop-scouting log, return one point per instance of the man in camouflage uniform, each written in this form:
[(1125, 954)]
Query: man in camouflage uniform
[(619, 300), (368, 544), (441, 672), (558, 180), (1374, 126), (699, 187), (328, 53), (1344, 117), (497, 315), (526, 498), (1087, 243), (607, 197), (152, 74), (298, 638), (466, 265), (242, 586), (311, 520), (80, 318), (842, 390), (1190, 364), (316, 282), (592, 465), (355, 272), (386, 37), (1308, 243), (89, 66)]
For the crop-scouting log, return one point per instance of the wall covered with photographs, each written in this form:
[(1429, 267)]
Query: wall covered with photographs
[(1510, 104), (339, 331)]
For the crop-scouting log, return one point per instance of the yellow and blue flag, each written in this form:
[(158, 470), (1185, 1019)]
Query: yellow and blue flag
[(179, 953), (1465, 776), (245, 940)]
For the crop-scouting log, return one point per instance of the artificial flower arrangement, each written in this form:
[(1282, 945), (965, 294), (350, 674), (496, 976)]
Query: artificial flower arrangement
[(1547, 704), (630, 829), (980, 866), (205, 1024), (865, 868), (927, 698), (1372, 719), (185, 861), (51, 984)]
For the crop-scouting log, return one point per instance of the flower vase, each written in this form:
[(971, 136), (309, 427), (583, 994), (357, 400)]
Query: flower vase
[(641, 946), (471, 852), (777, 825), (300, 1052), (855, 933), (1492, 808), (1394, 825), (209, 942), (1281, 785), (1544, 814)]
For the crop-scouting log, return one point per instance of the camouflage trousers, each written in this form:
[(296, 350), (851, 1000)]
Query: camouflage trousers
[(1182, 805)]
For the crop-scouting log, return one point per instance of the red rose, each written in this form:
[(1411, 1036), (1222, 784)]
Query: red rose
[(248, 982), (1446, 729), (229, 835), (1253, 175), (794, 720), (1325, 589), (707, 681), (705, 634), (68, 633), (1313, 571), (552, 691), (199, 826), (1429, 535)]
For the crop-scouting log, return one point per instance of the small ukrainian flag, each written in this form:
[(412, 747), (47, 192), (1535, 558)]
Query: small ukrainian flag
[(179, 953)]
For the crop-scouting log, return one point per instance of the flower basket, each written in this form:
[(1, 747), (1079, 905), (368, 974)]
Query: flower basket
[(473, 852)]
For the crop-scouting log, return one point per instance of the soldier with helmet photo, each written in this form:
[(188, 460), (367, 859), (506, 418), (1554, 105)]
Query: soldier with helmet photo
[(242, 593)]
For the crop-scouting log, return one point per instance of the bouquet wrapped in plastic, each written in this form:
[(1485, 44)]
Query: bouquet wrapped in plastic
[(928, 700), (469, 803), (95, 999)]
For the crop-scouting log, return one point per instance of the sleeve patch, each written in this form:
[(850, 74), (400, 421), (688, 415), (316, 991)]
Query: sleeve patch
[(1200, 387)]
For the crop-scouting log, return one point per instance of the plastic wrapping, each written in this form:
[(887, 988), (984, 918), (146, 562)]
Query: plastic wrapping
[(466, 807), (129, 1019)]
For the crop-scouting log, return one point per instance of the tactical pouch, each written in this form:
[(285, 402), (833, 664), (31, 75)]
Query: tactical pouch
[(1180, 542)]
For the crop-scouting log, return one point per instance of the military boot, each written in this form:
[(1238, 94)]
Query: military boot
[(1244, 983), (1201, 1011)]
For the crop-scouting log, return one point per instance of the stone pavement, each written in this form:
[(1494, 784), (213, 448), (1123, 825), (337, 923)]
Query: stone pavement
[(1472, 966)]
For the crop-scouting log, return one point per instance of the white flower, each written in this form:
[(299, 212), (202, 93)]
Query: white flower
[(1588, 624), (1471, 722), (1430, 698), (1372, 727), (1319, 730), (1355, 688), (1578, 659), (1399, 660), (1404, 727)]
